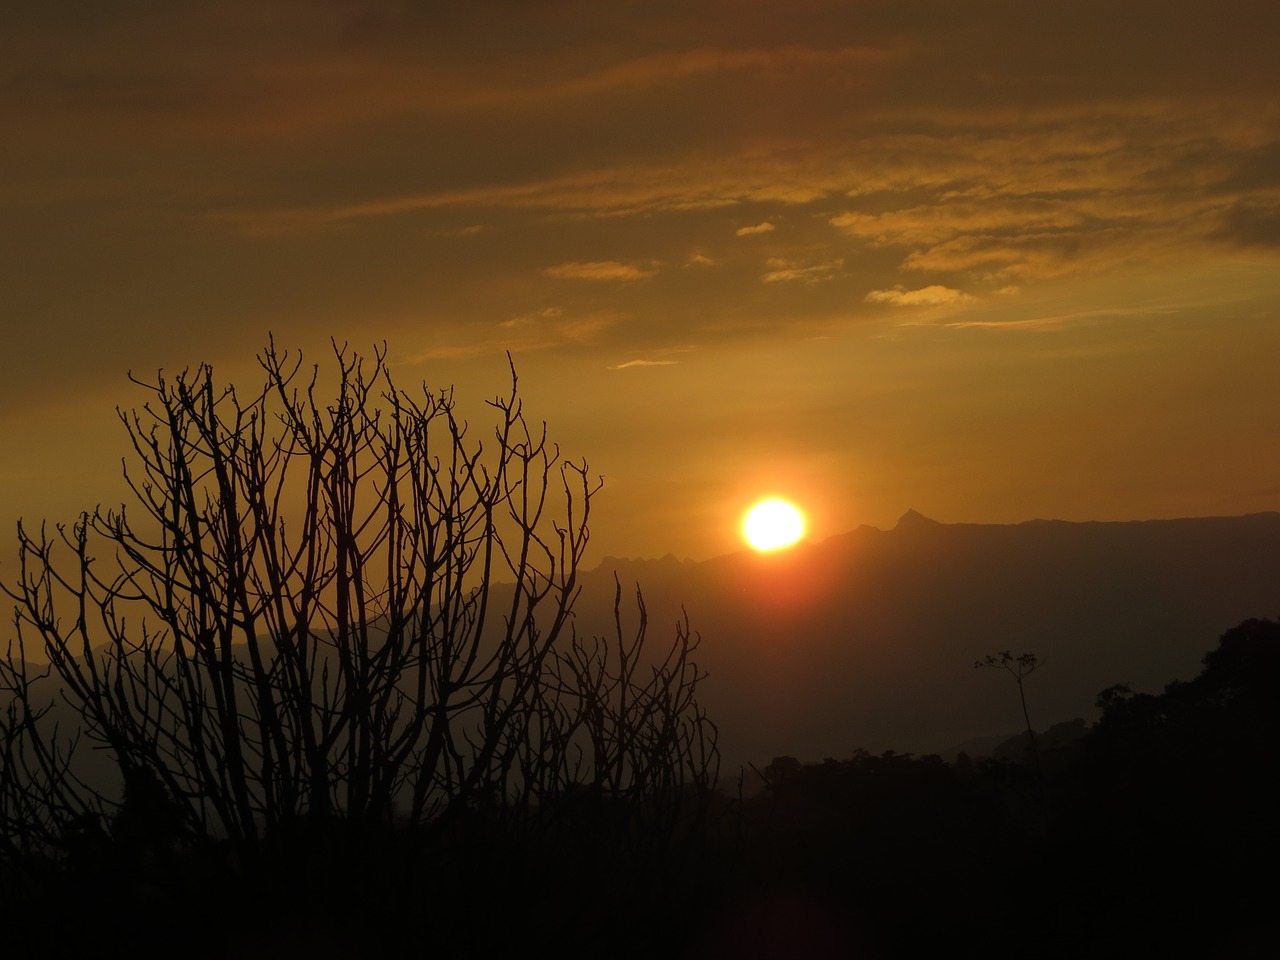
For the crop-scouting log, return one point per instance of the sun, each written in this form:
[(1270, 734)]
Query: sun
[(773, 524)]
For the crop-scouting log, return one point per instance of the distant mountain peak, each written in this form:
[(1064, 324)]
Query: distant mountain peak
[(912, 520), (667, 561)]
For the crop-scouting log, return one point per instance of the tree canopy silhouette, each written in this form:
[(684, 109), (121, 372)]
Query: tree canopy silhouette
[(328, 602)]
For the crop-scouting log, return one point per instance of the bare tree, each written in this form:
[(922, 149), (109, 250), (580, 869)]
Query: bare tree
[(316, 611), (1019, 667)]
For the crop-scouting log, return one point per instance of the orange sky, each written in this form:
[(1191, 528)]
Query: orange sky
[(990, 260)]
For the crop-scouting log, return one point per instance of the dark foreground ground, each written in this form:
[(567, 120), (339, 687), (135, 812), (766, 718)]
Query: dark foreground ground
[(1154, 833)]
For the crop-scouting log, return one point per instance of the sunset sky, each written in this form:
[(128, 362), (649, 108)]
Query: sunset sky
[(990, 260)]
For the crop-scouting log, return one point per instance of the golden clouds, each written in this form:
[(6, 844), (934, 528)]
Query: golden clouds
[(933, 295), (532, 319), (782, 270), (599, 270), (1069, 194), (632, 364)]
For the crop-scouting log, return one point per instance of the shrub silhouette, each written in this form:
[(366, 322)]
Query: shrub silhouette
[(1167, 806)]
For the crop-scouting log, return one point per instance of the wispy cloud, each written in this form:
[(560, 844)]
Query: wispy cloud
[(783, 271), (599, 270), (933, 295), (530, 319), (632, 364), (765, 227), (1035, 323), (540, 330), (1053, 322), (664, 69)]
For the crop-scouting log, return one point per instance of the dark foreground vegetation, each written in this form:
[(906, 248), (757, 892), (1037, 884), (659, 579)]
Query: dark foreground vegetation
[(319, 692), (1154, 833)]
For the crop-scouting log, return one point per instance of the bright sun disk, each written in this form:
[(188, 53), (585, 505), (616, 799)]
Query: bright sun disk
[(772, 525)]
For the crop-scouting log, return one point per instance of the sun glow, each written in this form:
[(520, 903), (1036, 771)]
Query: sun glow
[(772, 525)]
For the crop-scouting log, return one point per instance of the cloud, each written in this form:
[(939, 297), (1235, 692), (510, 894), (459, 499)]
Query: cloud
[(1164, 172), (530, 319), (783, 271), (1066, 193), (659, 357), (610, 191), (663, 70), (977, 148), (598, 270), (544, 329), (930, 296), (1075, 318), (631, 364), (1039, 323), (1252, 224)]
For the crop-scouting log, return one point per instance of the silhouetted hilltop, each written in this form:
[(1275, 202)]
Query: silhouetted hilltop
[(868, 639), (911, 520)]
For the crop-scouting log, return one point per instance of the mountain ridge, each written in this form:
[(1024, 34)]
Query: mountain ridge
[(868, 638), (914, 520)]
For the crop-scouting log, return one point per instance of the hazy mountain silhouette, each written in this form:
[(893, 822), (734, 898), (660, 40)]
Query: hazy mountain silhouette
[(868, 639)]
